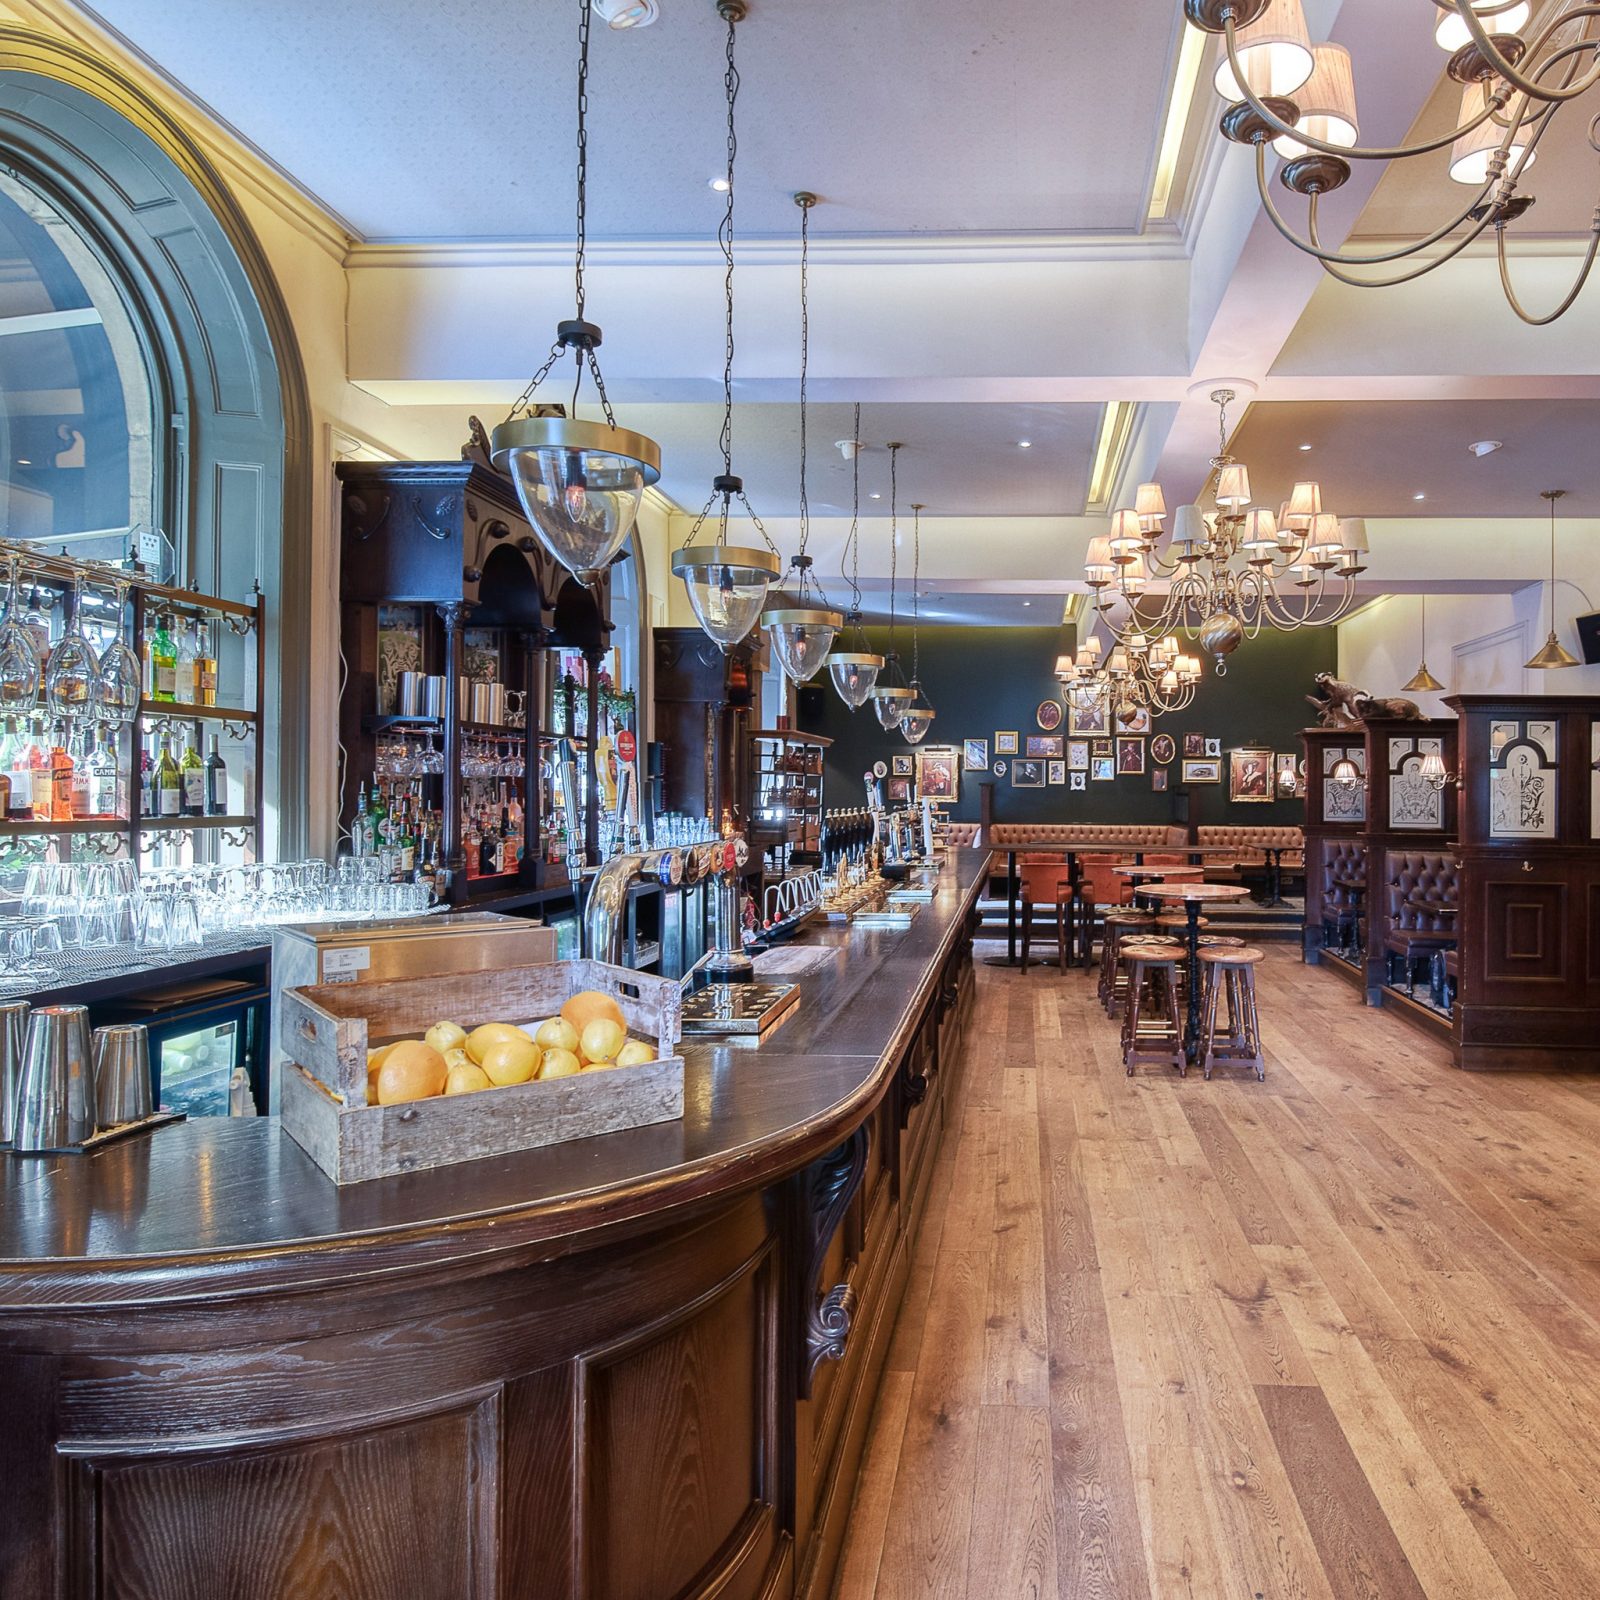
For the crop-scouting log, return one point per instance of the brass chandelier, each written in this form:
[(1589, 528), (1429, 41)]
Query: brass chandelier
[(1230, 571), (1138, 674), (1300, 101)]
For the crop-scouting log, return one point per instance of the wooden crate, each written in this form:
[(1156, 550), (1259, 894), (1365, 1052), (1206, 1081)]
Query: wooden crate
[(328, 1028)]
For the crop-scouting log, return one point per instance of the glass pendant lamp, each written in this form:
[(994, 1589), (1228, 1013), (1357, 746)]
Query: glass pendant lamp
[(580, 482), (803, 626), (890, 694), (918, 714), (855, 668), (727, 584)]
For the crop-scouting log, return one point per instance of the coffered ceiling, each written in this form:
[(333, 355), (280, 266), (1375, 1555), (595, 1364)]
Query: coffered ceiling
[(986, 267)]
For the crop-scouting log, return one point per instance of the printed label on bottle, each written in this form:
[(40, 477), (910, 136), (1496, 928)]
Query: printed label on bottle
[(171, 802), (21, 791), (194, 788), (206, 676), (166, 682)]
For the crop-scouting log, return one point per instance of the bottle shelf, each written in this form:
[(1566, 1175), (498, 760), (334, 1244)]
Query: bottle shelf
[(179, 824), (182, 711), (78, 825)]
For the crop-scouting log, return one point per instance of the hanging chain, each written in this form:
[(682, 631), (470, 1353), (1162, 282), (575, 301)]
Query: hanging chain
[(805, 361), (730, 84), (853, 543), (916, 599), (894, 537)]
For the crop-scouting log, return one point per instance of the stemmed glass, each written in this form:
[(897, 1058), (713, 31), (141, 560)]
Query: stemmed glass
[(19, 661), (118, 677), (72, 669)]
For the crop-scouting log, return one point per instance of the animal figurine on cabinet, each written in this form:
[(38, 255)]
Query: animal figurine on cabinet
[(1342, 705)]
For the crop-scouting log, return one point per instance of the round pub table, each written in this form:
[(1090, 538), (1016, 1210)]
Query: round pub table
[(1193, 896)]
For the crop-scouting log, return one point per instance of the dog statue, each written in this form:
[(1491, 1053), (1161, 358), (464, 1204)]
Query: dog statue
[(1342, 705)]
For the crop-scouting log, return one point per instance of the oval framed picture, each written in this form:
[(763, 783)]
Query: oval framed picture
[(879, 770), (999, 769), (1162, 749), (1049, 715)]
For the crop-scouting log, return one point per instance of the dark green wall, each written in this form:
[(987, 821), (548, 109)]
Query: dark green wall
[(982, 680)]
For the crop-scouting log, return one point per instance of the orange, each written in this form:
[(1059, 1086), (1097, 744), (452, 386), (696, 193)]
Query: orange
[(411, 1070), (589, 1006)]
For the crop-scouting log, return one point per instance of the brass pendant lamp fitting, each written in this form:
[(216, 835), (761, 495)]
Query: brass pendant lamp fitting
[(1553, 656)]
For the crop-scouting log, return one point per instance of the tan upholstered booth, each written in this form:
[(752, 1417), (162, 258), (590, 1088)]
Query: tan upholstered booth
[(1132, 836), (1250, 843)]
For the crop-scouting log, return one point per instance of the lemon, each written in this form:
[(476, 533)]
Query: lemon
[(602, 1039), (479, 1040), (557, 1034), (635, 1053), (446, 1036), (509, 1061), (558, 1064), (466, 1079)]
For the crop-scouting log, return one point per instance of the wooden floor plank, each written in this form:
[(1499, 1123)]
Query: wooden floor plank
[(1333, 1336)]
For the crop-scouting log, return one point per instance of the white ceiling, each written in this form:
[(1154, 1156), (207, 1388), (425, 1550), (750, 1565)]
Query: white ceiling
[(430, 119)]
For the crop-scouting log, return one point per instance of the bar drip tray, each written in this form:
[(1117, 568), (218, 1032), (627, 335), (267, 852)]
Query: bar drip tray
[(737, 1007)]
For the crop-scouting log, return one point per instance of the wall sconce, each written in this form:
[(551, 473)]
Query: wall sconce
[(1346, 774), (1435, 771)]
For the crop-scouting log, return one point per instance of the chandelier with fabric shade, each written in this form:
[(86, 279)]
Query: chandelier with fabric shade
[(1137, 675), (891, 694), (802, 625), (854, 669), (1298, 99), (1228, 572), (727, 584), (580, 482)]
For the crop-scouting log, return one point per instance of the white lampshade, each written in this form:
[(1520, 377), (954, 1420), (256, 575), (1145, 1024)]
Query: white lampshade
[(1150, 502), (1304, 503), (1133, 578), (1274, 53), (1127, 536), (1189, 526), (1327, 103), (1064, 667), (1324, 543), (1233, 485), (1261, 531), (1353, 535), (1097, 563), (1469, 155), (1345, 773), (1117, 663), (1433, 769), (1452, 32)]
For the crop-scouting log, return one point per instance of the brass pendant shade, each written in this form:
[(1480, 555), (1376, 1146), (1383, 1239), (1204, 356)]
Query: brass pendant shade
[(1422, 681), (1553, 656)]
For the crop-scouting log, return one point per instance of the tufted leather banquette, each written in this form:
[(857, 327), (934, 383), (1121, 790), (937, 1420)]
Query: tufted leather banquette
[(1134, 836), (1343, 858), (1250, 842), (1430, 875), (961, 834)]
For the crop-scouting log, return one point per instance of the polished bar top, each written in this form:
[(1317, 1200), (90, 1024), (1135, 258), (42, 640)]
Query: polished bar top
[(225, 1205)]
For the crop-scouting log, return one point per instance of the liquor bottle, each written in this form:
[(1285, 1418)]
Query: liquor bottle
[(489, 848), (216, 781), (184, 662), (424, 873), (508, 847), (472, 844), (406, 864), (205, 663), (192, 771), (105, 799), (61, 770), (39, 779), (19, 807), (147, 783), (80, 801), (168, 783), (163, 661)]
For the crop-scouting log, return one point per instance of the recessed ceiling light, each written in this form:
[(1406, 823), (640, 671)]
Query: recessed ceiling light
[(1485, 447), (719, 184), (1305, 447), (24, 461), (1419, 497), (875, 497), (627, 13), (1024, 444), (1027, 602)]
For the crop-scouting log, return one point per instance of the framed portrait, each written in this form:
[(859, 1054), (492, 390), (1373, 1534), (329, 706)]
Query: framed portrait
[(1090, 714), (899, 791), (1102, 747), (1078, 755), (1214, 749), (937, 773), (1079, 780), (1158, 779), (1027, 774), (1250, 776), (1194, 744), (1048, 716), (999, 769), (1135, 719), (1057, 771), (1045, 745), (1103, 769), (975, 755), (1130, 756), (1005, 744), (903, 766), (1202, 771), (1287, 779), (1162, 749)]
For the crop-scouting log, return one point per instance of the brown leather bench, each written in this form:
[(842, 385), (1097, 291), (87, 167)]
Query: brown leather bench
[(1423, 888), (1344, 870)]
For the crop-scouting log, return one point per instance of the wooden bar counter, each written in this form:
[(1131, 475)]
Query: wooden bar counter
[(627, 1368)]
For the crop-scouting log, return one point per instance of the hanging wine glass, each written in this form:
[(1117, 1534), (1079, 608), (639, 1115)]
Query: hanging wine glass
[(118, 679), (71, 671), (19, 661)]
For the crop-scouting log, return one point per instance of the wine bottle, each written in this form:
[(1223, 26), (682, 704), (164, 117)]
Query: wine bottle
[(168, 783), (19, 808), (205, 663), (163, 662), (216, 781), (104, 781), (192, 772), (147, 784), (39, 780)]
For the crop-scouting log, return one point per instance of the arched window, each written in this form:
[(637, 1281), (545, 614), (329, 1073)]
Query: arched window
[(148, 367)]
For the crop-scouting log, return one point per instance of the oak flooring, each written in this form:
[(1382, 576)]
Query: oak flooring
[(1329, 1337)]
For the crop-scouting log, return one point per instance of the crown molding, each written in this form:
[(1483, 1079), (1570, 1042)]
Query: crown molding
[(244, 164)]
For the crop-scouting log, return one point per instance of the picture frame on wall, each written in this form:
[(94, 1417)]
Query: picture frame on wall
[(1102, 747), (975, 755), (1250, 777), (1078, 755), (1204, 771), (1102, 769), (1057, 771), (903, 767), (1005, 744), (1286, 775), (1130, 757), (1214, 748), (1135, 719), (1194, 744), (899, 791), (1089, 714), (1045, 745), (1048, 715), (1158, 779), (1027, 774), (1079, 780), (999, 768), (1162, 749), (938, 775)]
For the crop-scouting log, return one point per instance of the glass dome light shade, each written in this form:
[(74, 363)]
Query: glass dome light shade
[(889, 702), (580, 484), (854, 674), (1471, 153), (1274, 53), (1327, 104), (727, 586), (801, 638), (1452, 33), (917, 716)]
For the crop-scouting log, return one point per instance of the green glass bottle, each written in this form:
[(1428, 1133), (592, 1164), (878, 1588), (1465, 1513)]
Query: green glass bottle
[(168, 783), (192, 772), (163, 661)]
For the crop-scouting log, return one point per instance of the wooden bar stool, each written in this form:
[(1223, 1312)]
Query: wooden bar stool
[(1220, 941), (1230, 973), (1178, 922), (1115, 925), (1152, 1024)]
